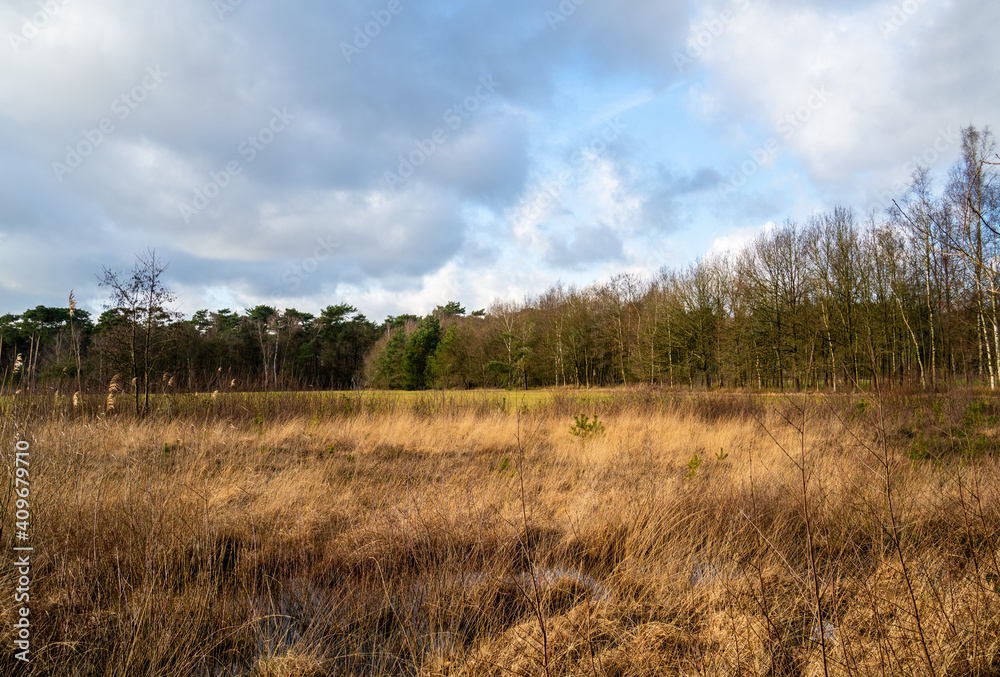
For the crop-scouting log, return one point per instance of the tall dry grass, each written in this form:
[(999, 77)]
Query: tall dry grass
[(467, 535)]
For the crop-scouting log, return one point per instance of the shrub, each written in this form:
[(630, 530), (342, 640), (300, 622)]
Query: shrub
[(585, 427)]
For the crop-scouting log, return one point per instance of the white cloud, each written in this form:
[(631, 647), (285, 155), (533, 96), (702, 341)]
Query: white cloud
[(735, 240), (885, 101)]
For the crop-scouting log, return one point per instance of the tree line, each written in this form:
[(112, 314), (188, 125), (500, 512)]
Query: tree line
[(842, 299), (138, 347)]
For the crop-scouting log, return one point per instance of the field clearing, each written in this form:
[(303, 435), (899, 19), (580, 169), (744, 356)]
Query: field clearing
[(333, 402), (317, 399), (475, 534)]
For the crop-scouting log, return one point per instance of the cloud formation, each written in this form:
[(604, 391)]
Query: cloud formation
[(397, 155)]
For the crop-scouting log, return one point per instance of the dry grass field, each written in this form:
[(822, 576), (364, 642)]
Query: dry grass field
[(271, 536)]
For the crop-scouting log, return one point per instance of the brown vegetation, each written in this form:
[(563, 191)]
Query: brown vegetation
[(433, 535)]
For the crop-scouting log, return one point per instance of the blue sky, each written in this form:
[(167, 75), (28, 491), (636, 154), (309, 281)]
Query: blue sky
[(276, 153)]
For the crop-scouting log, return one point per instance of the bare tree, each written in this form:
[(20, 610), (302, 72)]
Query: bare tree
[(972, 199), (142, 299)]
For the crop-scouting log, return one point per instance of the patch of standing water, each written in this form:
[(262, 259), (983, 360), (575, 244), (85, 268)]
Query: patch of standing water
[(549, 576), (830, 632), (284, 616), (546, 577)]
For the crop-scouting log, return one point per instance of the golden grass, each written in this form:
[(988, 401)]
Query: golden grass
[(471, 535)]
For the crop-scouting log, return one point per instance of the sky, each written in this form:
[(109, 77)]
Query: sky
[(397, 155)]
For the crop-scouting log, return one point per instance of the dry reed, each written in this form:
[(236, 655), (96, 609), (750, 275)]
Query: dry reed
[(468, 535)]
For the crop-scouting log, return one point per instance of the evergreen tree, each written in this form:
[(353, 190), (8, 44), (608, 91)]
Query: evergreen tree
[(419, 348)]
